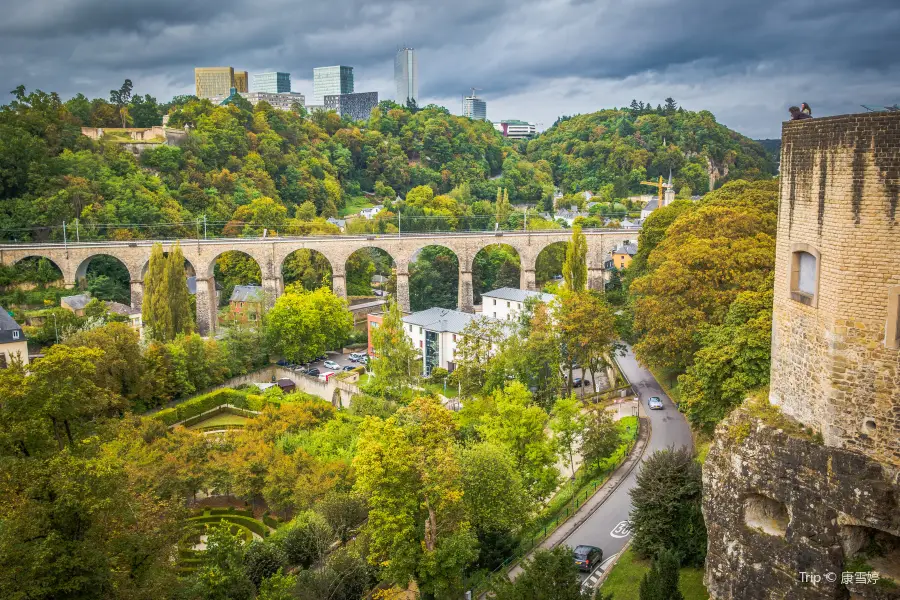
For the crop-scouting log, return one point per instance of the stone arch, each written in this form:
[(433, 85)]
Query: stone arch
[(189, 269), (384, 268), (120, 272), (487, 275), (548, 263), (311, 268), (231, 273), (430, 290), (68, 279)]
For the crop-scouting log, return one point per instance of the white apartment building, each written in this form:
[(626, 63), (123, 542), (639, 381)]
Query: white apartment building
[(508, 303), (516, 130), (434, 333)]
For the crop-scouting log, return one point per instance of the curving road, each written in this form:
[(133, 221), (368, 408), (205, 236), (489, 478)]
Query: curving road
[(607, 527)]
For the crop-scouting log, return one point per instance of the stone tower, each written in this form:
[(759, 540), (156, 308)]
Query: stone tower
[(809, 483)]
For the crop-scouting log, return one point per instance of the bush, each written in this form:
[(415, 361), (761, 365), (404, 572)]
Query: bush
[(306, 539), (200, 404), (438, 374), (239, 520), (271, 521)]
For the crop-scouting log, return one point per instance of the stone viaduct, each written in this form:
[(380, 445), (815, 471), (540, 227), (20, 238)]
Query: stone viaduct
[(270, 253)]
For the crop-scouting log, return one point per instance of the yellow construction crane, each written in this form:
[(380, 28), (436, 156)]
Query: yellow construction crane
[(660, 185)]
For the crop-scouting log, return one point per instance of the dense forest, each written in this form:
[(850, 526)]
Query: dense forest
[(242, 170)]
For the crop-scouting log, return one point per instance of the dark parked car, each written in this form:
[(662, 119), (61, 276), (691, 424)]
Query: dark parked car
[(314, 372), (282, 363), (587, 557), (348, 368), (578, 382)]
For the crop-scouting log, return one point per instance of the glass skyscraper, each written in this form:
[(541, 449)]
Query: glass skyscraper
[(406, 75), (329, 81), (474, 108), (275, 82)]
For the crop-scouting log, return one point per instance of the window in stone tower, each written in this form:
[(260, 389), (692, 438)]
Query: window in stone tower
[(892, 329), (804, 274)]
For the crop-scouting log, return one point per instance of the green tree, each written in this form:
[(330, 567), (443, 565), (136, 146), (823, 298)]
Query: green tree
[(121, 98), (396, 364), (733, 359), (494, 496), (303, 325), (518, 425), (222, 576), (262, 559), (575, 266), (547, 575), (122, 366), (344, 512), (305, 540), (568, 426), (277, 587), (587, 325), (408, 471), (345, 576), (156, 314), (602, 436), (661, 581), (707, 257), (665, 510), (177, 291)]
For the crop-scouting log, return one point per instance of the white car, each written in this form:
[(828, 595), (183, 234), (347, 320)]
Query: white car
[(330, 364)]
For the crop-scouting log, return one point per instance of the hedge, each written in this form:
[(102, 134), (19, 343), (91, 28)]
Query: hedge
[(229, 511), (246, 522), (200, 404), (271, 521)]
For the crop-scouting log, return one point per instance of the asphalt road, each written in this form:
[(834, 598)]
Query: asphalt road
[(608, 528)]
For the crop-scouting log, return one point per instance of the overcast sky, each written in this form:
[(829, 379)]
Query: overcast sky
[(745, 60)]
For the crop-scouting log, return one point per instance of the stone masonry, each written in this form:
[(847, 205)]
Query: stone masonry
[(270, 253), (810, 485)]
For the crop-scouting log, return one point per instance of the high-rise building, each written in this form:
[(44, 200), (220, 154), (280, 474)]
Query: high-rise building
[(406, 75), (330, 81), (516, 130), (357, 106), (474, 108), (214, 81), (241, 81), (274, 82)]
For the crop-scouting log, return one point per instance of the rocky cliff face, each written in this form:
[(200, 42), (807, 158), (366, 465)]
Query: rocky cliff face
[(787, 516)]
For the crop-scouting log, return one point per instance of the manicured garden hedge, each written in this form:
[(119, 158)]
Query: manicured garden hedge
[(201, 404), (246, 522)]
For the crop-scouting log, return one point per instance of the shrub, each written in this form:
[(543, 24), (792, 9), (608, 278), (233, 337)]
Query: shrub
[(239, 520), (200, 404)]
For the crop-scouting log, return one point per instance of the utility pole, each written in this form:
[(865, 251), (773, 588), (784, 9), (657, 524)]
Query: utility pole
[(526, 219), (65, 240), (398, 222), (77, 236), (204, 227)]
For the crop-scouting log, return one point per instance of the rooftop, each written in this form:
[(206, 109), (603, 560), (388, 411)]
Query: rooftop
[(441, 319), (246, 293), (517, 295), (629, 249), (77, 302), (7, 326), (121, 309)]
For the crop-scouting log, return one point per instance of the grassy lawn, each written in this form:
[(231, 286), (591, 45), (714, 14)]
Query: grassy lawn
[(221, 419), (354, 205), (624, 580), (438, 388), (363, 380)]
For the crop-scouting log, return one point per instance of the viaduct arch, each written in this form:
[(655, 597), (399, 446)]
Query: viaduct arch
[(270, 253)]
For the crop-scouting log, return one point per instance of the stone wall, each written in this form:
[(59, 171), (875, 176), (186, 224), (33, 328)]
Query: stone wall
[(778, 505), (833, 367)]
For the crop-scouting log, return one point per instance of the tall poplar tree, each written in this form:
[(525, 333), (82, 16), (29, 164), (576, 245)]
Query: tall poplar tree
[(178, 296), (155, 311), (575, 266)]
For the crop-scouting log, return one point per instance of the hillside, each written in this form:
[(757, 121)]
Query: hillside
[(612, 151)]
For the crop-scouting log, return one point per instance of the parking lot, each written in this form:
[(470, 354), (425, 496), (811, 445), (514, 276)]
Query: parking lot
[(342, 360)]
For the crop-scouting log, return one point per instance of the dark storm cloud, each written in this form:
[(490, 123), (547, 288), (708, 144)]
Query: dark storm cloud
[(555, 50)]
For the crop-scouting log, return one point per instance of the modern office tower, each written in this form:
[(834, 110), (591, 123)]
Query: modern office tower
[(515, 129), (406, 75), (330, 81), (214, 81), (356, 106), (241, 81), (274, 82), (474, 108)]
